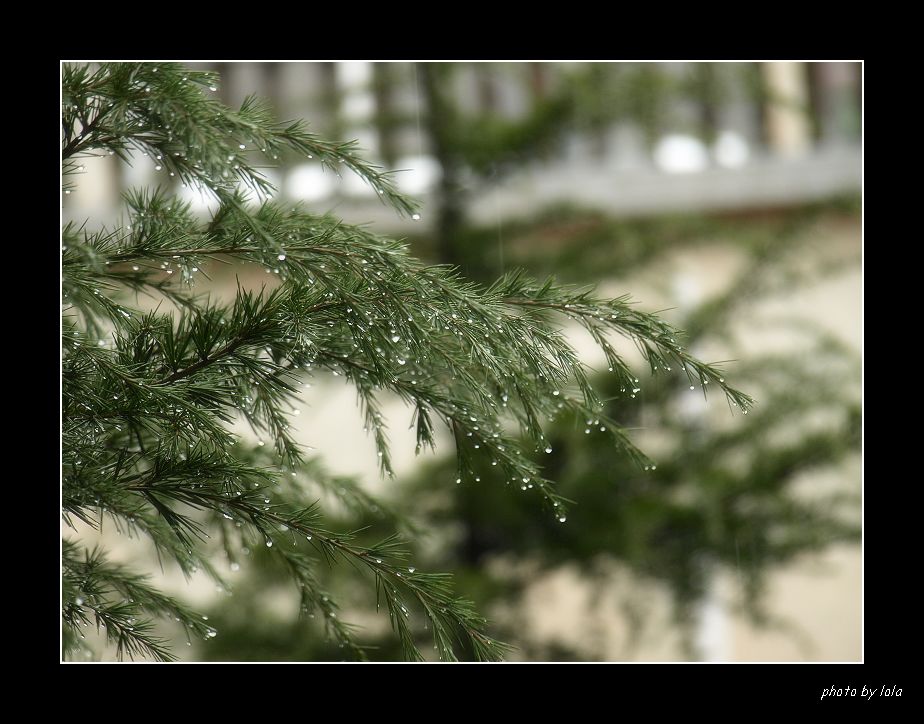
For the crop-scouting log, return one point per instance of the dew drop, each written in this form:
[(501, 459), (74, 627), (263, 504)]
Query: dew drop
[(395, 338), (548, 449), (269, 544), (235, 566), (281, 257), (562, 519), (411, 569), (415, 217)]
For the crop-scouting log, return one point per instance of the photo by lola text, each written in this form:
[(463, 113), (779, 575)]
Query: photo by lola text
[(864, 692)]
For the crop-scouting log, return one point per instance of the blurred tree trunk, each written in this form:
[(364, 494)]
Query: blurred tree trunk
[(441, 128), (385, 120)]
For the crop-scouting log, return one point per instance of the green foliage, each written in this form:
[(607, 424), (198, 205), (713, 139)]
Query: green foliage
[(149, 397), (721, 499)]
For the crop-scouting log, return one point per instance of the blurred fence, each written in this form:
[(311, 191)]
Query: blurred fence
[(645, 137)]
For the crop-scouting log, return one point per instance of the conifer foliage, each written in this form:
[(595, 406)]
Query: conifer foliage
[(149, 397)]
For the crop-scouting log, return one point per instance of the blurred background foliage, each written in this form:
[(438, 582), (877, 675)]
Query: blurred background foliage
[(725, 495), (752, 168)]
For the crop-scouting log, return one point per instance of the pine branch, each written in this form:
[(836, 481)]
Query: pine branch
[(148, 398)]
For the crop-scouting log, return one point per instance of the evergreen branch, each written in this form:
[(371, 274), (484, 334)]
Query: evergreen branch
[(147, 398), (160, 111), (114, 598)]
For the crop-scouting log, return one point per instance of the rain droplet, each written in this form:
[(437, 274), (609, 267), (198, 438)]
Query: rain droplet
[(235, 566), (395, 338), (281, 257), (548, 449), (415, 217), (269, 543), (411, 569), (562, 519)]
